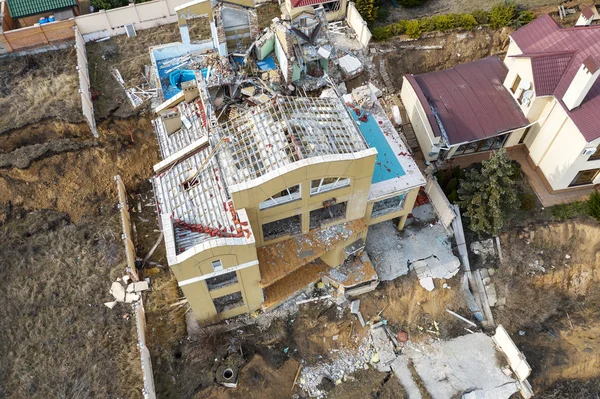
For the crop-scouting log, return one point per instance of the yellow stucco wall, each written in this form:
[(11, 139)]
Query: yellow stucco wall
[(359, 170), (200, 264), (409, 203)]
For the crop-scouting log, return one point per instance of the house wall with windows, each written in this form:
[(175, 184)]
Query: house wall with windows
[(219, 277), (354, 172), (554, 143)]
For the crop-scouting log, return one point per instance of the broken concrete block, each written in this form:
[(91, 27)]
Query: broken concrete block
[(384, 348), (117, 291), (110, 305), (350, 66), (396, 117), (249, 91), (129, 288), (323, 52), (131, 297), (485, 248), (139, 286), (378, 93), (427, 283)]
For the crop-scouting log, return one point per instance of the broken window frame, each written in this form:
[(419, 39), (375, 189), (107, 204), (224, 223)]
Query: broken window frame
[(291, 195), (315, 223), (375, 213), (297, 228), (217, 265), (340, 182), (215, 283), (596, 155), (236, 302)]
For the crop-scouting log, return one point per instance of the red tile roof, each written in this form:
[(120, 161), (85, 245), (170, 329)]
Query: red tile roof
[(588, 13), (469, 100), (302, 3), (553, 74)]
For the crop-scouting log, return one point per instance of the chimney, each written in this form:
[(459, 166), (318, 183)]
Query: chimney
[(190, 90), (582, 83), (171, 120)]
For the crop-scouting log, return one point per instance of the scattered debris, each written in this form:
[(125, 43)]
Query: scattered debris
[(354, 309)]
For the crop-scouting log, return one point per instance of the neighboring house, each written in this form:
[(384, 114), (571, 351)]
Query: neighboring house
[(335, 10), (276, 198), (28, 12), (544, 96)]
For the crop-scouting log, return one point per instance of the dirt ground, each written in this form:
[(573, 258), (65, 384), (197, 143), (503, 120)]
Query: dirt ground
[(404, 56), (60, 245), (39, 87), (433, 7), (550, 276)]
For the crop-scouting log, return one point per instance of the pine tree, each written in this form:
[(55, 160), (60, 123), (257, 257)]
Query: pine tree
[(487, 194)]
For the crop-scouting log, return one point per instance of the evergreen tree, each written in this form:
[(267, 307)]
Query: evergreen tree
[(487, 194)]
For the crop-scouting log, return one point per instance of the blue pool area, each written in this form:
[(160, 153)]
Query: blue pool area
[(168, 67), (387, 165)]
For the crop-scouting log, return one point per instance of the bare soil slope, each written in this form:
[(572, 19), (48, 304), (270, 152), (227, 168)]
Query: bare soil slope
[(551, 277)]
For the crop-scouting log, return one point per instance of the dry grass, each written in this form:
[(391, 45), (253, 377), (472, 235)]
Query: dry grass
[(266, 13), (58, 339), (38, 87), (129, 55)]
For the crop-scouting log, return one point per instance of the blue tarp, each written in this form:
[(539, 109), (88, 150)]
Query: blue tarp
[(267, 64)]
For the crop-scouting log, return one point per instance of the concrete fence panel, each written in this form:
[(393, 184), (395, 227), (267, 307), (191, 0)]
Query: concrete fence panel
[(440, 202), (87, 106), (358, 24), (122, 16)]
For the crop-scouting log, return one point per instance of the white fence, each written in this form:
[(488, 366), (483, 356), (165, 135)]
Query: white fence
[(439, 201), (143, 16), (87, 106), (358, 24), (138, 307)]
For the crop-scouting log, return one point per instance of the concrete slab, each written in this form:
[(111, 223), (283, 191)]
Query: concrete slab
[(392, 252), (384, 348), (464, 364), (400, 368), (424, 213)]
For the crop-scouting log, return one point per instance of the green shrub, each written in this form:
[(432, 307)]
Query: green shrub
[(452, 185), (108, 4), (413, 29), (482, 17), (568, 211), (441, 177), (411, 3), (457, 172), (367, 9), (467, 21), (523, 18), (503, 15), (528, 202), (453, 197), (399, 28), (427, 24), (381, 33), (593, 205), (443, 22)]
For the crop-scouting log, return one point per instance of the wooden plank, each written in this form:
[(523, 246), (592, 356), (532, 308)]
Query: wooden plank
[(293, 283), (280, 259)]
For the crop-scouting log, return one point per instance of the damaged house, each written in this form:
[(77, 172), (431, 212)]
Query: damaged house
[(260, 194)]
